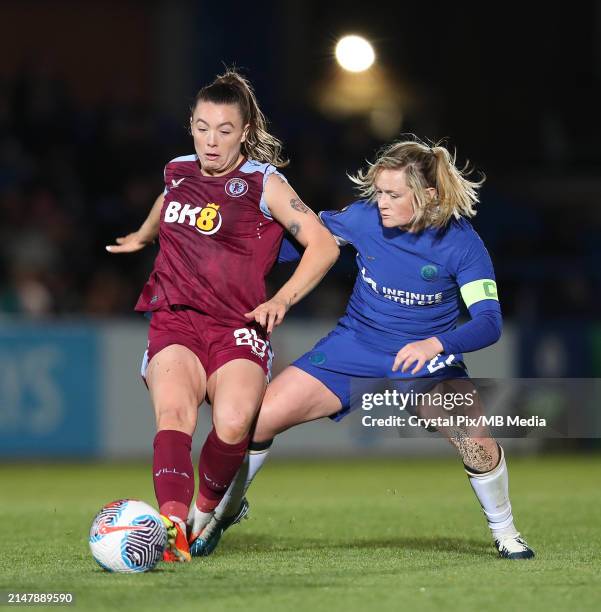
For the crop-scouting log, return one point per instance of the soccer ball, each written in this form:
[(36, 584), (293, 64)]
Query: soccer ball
[(127, 535)]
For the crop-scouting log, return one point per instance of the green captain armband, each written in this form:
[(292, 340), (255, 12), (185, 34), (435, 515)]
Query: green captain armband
[(478, 290)]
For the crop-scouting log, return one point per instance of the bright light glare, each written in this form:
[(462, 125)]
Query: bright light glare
[(354, 53)]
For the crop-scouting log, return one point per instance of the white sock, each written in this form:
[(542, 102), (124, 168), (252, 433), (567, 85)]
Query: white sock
[(492, 491), (230, 503), (197, 520)]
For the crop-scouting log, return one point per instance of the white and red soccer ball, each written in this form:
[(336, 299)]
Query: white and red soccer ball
[(127, 535)]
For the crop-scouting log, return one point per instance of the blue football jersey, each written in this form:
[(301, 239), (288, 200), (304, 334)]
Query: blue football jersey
[(409, 284)]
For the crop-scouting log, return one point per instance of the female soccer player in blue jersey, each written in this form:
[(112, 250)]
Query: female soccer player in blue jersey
[(416, 252)]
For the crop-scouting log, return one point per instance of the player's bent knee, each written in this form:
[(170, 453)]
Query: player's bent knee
[(232, 434), (233, 427), (176, 417)]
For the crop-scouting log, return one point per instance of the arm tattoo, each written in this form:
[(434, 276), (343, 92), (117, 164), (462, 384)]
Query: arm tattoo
[(299, 205), (294, 228)]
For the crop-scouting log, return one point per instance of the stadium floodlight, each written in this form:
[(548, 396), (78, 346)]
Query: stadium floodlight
[(355, 53)]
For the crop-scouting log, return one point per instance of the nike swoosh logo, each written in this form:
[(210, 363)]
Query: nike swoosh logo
[(106, 529), (178, 182)]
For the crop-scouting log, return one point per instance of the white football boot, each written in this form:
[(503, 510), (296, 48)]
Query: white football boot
[(513, 546)]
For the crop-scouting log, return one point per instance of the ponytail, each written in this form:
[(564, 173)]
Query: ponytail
[(456, 195)]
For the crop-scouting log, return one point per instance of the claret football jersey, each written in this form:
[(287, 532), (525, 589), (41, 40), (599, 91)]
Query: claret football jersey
[(217, 241)]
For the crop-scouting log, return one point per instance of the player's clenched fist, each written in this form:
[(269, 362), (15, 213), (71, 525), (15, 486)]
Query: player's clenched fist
[(270, 313), (419, 352)]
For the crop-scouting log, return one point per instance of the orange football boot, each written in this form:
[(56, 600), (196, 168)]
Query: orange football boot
[(177, 549)]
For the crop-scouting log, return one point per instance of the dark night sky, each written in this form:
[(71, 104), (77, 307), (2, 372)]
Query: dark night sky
[(514, 83), (497, 75)]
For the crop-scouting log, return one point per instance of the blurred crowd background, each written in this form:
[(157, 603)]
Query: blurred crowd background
[(95, 101)]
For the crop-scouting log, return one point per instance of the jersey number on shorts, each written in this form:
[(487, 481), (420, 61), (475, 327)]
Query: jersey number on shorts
[(434, 365), (248, 337)]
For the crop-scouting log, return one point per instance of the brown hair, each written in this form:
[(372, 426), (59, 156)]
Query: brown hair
[(425, 167), (232, 88)]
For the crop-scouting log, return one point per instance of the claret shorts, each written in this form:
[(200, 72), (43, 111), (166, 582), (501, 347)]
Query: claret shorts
[(213, 342)]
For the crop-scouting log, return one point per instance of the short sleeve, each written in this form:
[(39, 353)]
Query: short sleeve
[(263, 204), (165, 188), (343, 224)]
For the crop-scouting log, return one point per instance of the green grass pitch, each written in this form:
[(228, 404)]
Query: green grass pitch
[(341, 535)]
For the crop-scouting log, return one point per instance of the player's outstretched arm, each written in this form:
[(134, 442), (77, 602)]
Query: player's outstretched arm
[(148, 231), (321, 251)]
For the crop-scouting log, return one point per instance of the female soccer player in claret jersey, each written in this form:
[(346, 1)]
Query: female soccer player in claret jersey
[(416, 253), (220, 223)]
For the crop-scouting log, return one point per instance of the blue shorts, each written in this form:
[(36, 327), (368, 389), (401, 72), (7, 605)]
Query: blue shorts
[(349, 368)]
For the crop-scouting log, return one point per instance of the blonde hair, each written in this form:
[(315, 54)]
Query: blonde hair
[(232, 88), (425, 167)]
